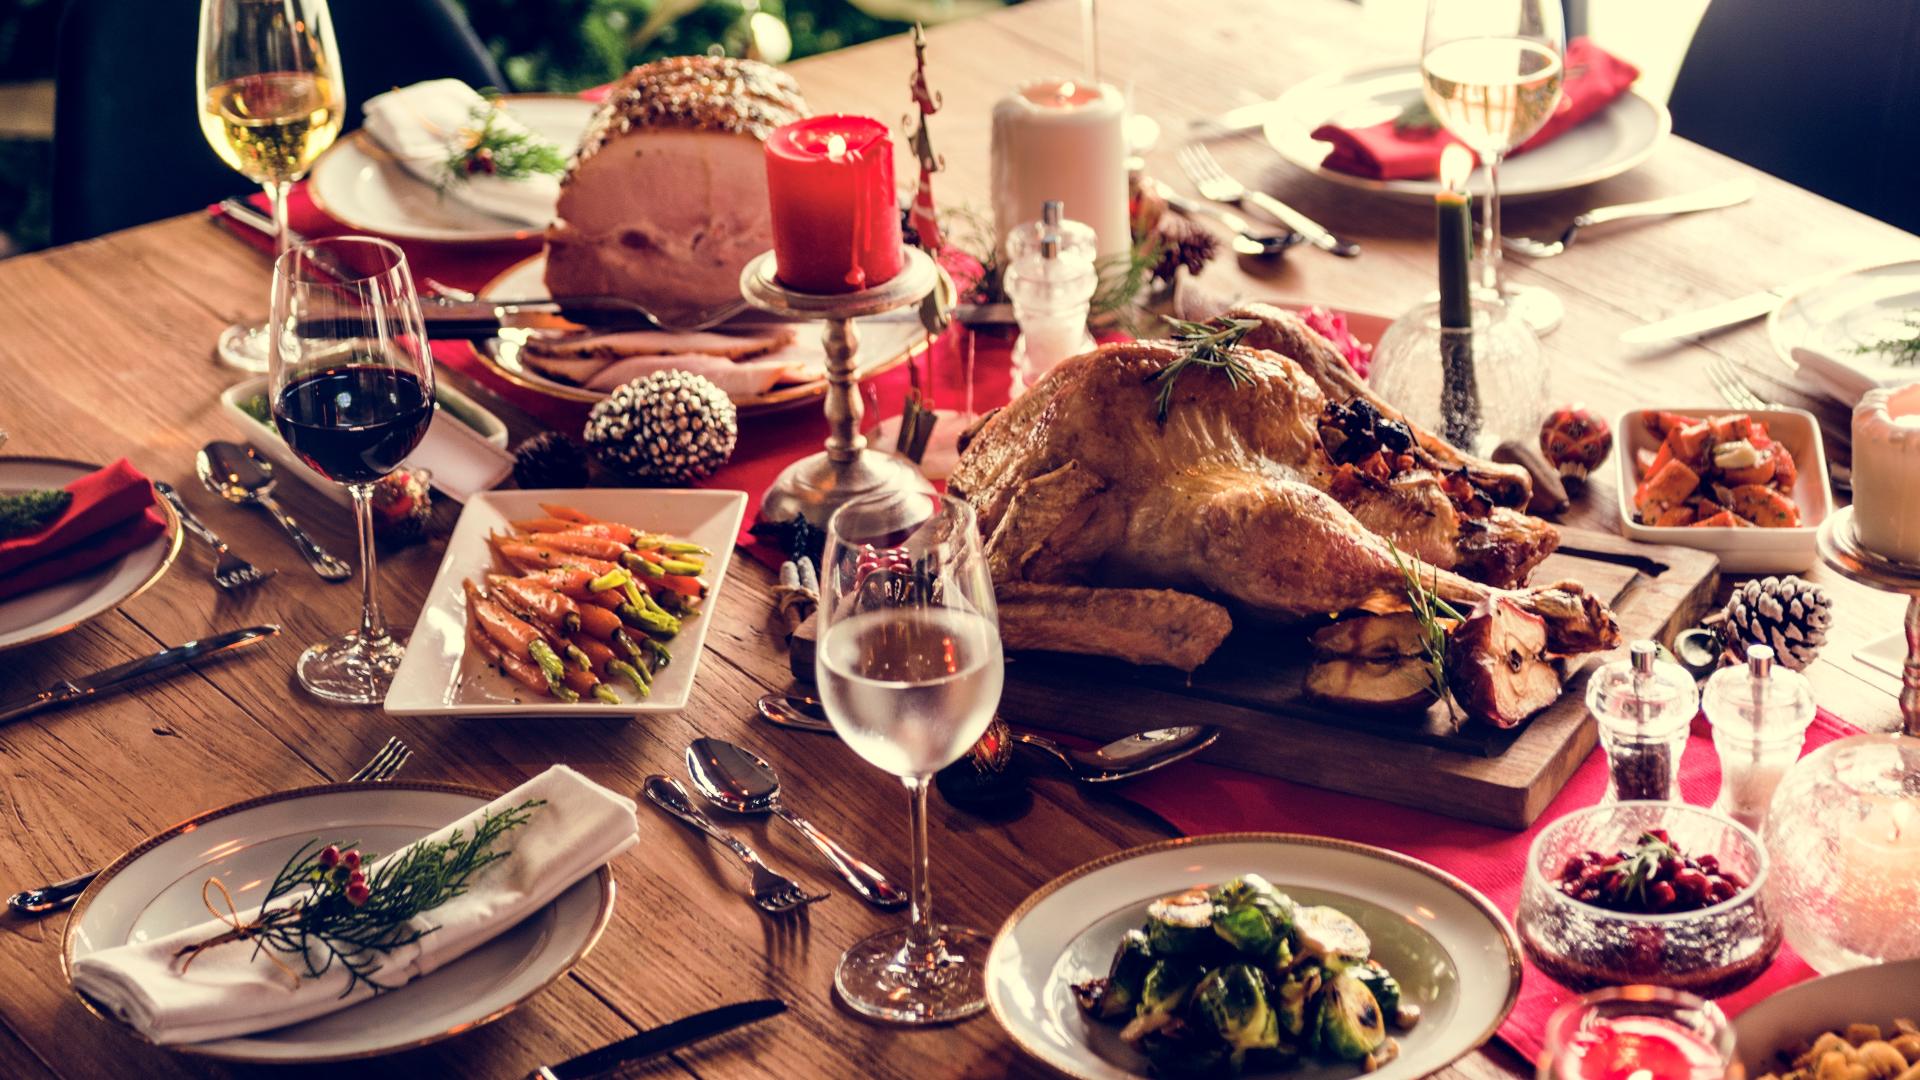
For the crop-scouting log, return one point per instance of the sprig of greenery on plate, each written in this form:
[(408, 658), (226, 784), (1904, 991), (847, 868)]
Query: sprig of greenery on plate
[(1899, 351), (510, 152)]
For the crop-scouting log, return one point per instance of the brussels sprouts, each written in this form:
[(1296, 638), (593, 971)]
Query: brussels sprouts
[(1350, 1024), (1290, 1001), (1386, 988), (1166, 988), (1180, 925), (1115, 996), (1254, 889), (1247, 929), (1232, 1001), (1330, 936)]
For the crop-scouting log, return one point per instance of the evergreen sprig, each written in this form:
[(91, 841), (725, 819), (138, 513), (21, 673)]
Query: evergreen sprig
[(1429, 607), (325, 925), (1206, 345), (29, 511), (1899, 351), (508, 152)]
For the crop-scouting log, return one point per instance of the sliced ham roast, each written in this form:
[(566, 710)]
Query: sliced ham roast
[(732, 346), (666, 200)]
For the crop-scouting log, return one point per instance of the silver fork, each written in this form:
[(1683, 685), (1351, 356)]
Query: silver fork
[(1731, 193), (232, 572), (775, 894), (60, 895), (1213, 183)]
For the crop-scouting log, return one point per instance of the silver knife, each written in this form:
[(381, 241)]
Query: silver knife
[(1234, 121), (663, 1039), (1718, 317), (68, 690)]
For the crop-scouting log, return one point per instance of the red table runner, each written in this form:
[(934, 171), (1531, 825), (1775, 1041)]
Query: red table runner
[(1196, 798)]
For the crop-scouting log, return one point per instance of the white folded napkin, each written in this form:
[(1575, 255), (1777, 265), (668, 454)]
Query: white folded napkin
[(1847, 378), (421, 124), (228, 990)]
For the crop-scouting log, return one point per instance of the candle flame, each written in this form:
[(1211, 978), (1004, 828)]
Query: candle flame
[(1455, 163), (1066, 92), (836, 147)]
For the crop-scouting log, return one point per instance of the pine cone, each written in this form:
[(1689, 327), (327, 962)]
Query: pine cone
[(1785, 613), (549, 460)]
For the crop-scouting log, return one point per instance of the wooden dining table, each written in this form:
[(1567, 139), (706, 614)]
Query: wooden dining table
[(106, 350)]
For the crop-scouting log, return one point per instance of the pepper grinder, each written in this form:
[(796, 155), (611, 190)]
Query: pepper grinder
[(1051, 282), (1644, 706), (1759, 714)]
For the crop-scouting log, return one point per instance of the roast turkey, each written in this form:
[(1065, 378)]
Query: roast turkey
[(666, 200), (1290, 494)]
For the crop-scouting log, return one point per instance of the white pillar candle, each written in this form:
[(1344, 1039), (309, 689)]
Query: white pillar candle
[(1886, 472), (1062, 139)]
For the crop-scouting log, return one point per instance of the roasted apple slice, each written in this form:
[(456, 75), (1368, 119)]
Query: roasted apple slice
[(1497, 664)]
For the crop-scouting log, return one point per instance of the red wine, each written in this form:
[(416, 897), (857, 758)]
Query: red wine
[(353, 423)]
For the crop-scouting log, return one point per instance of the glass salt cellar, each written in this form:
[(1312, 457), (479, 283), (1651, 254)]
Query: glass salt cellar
[(1051, 281), (1644, 706), (1759, 714)]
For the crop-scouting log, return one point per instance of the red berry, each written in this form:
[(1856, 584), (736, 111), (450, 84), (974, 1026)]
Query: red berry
[(1575, 867), (351, 859), (357, 893), (1710, 864), (1721, 890), (1691, 885), (1661, 896), (329, 857)]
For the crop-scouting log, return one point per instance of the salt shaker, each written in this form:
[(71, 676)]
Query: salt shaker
[(1759, 714), (1051, 281), (1644, 706)]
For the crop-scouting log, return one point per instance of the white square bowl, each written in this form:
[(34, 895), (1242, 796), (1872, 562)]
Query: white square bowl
[(438, 677), (1741, 551)]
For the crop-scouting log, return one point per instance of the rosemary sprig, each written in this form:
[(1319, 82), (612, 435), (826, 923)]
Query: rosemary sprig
[(1416, 117), (1899, 351), (1429, 607), (1642, 864), (510, 153), (355, 923), (1207, 345)]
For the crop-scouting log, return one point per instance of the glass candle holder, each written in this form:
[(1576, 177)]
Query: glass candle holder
[(1638, 1033), (1493, 389), (1844, 837), (1710, 951)]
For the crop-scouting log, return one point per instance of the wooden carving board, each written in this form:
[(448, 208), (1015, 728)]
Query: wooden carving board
[(1251, 688)]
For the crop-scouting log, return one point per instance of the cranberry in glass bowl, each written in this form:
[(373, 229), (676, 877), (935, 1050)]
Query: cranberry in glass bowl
[(1635, 925)]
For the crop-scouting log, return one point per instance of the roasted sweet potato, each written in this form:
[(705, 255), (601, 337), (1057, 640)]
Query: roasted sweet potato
[(1785, 470), (1764, 506), (1690, 443), (1674, 516), (1669, 487)]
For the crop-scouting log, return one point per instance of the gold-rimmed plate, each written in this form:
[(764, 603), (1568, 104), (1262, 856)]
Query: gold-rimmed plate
[(361, 185), (56, 609), (1453, 953), (885, 344), (155, 890)]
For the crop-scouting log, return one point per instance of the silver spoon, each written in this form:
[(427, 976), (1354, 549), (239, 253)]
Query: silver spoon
[(1247, 240), (737, 779), (1122, 759), (243, 478)]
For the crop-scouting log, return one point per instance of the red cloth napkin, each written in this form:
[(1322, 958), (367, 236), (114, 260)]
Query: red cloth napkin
[(1385, 151), (112, 513), (1198, 799)]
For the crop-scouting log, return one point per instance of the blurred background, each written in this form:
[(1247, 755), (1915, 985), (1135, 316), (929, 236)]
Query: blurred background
[(551, 45)]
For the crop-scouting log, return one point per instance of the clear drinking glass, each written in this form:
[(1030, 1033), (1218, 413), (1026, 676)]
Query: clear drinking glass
[(352, 391), (1491, 71), (271, 101), (1639, 1031), (909, 668)]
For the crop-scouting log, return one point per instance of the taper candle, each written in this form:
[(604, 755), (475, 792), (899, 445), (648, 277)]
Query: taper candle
[(1459, 393)]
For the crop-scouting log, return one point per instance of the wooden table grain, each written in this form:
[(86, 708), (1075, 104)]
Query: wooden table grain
[(106, 351)]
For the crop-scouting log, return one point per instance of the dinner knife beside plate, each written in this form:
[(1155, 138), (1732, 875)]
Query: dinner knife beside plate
[(661, 1040), (68, 690)]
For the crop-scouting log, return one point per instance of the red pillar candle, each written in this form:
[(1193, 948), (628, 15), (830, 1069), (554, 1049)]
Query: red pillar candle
[(836, 218)]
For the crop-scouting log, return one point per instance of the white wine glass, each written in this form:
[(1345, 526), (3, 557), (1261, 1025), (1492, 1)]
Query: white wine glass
[(351, 386), (271, 101), (1491, 71), (909, 668)]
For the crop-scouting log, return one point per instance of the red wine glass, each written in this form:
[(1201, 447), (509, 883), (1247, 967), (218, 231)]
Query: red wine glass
[(351, 381)]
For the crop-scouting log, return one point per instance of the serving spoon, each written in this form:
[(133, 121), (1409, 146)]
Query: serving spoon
[(1122, 759), (243, 478), (737, 779)]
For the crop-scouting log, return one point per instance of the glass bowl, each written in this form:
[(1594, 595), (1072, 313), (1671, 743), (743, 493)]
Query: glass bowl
[(1844, 837), (1710, 952), (1509, 379)]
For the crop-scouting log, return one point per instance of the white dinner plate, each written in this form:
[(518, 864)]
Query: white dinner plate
[(154, 890), (439, 677), (361, 185), (54, 610), (1616, 139), (1453, 953), (1836, 315), (884, 344), (1868, 995)]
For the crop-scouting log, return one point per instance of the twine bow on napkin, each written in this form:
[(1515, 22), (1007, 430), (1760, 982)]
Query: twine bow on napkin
[(241, 931)]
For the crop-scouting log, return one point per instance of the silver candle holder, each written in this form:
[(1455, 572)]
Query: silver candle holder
[(818, 484), (1840, 546)]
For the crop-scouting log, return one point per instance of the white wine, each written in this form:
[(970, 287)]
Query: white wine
[(271, 127), (910, 689), (1492, 92)]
